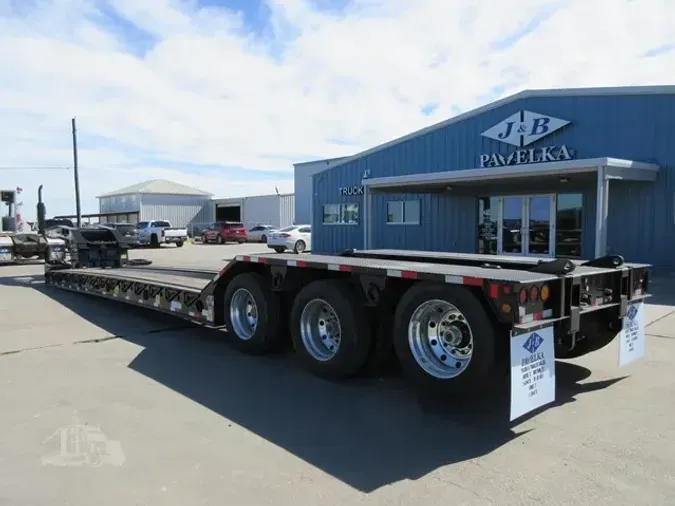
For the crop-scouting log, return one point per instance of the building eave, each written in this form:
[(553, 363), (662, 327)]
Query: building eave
[(204, 196), (325, 160), (624, 168)]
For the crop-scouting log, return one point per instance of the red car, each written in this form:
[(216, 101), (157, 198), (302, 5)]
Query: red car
[(225, 231)]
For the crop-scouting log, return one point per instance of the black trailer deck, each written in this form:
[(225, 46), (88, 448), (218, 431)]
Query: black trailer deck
[(401, 267), (190, 292), (182, 280), (514, 261)]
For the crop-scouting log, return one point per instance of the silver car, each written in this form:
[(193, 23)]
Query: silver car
[(260, 233), (297, 238)]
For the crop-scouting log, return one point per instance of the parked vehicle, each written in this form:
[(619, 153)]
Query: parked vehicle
[(158, 232), (225, 231), (126, 230), (260, 233), (461, 324), (42, 244), (56, 223), (297, 238)]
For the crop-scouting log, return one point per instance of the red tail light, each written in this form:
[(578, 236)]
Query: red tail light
[(284, 235), (163, 232), (522, 296)]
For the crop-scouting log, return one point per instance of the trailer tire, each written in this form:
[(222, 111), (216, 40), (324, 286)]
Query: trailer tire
[(318, 310), (250, 291), (479, 373)]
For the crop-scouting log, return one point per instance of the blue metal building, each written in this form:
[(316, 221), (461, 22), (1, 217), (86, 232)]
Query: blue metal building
[(577, 173)]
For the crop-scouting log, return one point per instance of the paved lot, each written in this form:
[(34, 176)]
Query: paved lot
[(197, 255), (195, 423)]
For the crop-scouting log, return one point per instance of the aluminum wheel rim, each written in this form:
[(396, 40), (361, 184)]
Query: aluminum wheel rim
[(243, 314), (440, 339), (320, 330)]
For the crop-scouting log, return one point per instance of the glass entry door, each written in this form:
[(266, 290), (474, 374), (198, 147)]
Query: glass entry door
[(527, 225)]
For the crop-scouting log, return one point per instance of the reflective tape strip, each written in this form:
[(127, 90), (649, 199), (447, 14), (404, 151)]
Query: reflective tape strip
[(542, 315), (472, 281), (402, 274), (296, 263), (464, 280), (340, 268)]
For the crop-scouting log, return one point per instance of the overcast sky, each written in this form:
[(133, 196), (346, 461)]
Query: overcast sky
[(225, 95)]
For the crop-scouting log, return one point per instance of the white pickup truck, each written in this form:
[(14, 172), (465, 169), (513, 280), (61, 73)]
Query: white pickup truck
[(156, 233)]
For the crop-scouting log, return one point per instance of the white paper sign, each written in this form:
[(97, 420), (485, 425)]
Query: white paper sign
[(532, 371), (632, 344)]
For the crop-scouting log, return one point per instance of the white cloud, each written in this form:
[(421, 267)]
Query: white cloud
[(209, 93)]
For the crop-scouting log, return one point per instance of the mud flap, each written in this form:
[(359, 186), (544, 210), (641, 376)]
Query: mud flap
[(632, 335), (532, 371)]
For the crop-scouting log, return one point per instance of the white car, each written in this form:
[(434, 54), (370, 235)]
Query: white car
[(260, 233), (297, 238)]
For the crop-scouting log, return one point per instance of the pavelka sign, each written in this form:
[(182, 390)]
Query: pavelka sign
[(520, 130)]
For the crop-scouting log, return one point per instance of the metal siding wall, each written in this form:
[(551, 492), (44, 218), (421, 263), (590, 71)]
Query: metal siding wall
[(287, 211), (302, 187), (181, 211), (333, 238), (118, 204), (260, 210), (438, 215), (642, 215)]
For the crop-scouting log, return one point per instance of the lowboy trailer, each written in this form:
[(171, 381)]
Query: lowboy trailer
[(457, 323)]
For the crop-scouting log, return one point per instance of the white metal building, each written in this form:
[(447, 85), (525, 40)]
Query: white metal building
[(276, 210), (157, 199), (302, 175)]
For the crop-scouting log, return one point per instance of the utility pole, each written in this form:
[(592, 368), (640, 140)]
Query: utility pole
[(78, 210)]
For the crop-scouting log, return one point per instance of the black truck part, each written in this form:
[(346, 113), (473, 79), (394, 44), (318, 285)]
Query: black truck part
[(447, 317)]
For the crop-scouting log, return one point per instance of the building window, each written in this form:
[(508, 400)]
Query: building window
[(341, 214), (488, 214), (569, 214), (403, 212)]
